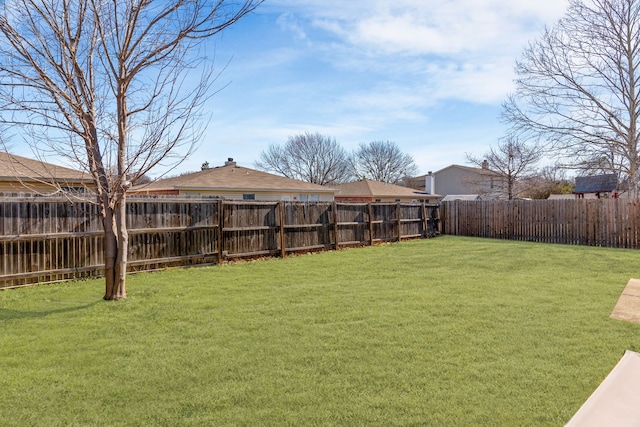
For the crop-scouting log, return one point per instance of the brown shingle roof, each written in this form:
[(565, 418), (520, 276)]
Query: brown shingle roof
[(13, 167), (369, 188), (232, 177)]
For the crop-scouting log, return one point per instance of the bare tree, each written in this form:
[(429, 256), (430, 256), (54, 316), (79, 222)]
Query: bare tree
[(382, 161), (551, 179), (513, 160), (577, 88), (114, 86), (309, 157)]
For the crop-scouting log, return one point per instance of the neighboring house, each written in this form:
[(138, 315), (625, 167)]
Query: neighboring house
[(23, 175), (462, 181), (601, 186), (367, 190), (235, 182), (467, 197)]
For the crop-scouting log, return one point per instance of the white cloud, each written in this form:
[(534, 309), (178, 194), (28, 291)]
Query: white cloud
[(473, 81), (289, 22), (461, 49), (427, 27)]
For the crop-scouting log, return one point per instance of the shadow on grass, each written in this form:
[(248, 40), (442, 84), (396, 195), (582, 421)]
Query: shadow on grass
[(6, 314)]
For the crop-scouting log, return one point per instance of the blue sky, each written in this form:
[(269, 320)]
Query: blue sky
[(429, 75)]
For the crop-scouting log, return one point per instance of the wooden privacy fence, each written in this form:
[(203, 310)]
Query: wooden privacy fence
[(597, 222), (50, 239)]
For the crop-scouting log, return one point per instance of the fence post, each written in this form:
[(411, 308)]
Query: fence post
[(220, 229), (399, 215), (425, 224), (334, 206), (370, 223), (456, 205), (283, 252)]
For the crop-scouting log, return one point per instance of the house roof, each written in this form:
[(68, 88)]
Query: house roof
[(18, 168), (232, 178), (596, 183), (451, 197), (483, 171), (369, 188)]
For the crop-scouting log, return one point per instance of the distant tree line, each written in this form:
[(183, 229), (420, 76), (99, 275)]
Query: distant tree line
[(320, 159)]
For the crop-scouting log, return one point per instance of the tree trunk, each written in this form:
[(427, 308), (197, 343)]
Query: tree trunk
[(115, 249), (510, 187), (123, 248)]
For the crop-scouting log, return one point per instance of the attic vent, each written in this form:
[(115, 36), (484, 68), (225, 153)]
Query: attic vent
[(230, 162)]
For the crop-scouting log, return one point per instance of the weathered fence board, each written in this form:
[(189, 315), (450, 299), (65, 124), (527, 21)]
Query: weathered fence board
[(51, 239), (598, 222)]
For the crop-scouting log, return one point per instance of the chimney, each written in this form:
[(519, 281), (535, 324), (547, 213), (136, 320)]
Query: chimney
[(230, 162), (485, 164), (430, 183)]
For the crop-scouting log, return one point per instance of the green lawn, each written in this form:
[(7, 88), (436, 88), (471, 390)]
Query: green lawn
[(446, 331)]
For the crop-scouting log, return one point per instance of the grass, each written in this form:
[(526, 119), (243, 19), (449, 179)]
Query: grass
[(446, 331)]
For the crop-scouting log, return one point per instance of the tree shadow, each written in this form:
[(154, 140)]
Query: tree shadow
[(7, 314)]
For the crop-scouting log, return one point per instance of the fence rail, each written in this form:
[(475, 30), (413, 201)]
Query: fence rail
[(598, 222), (50, 239)]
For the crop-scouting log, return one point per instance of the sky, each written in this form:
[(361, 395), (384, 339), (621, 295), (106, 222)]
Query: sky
[(429, 75)]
